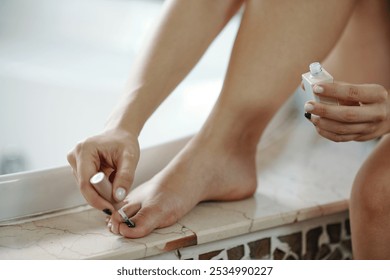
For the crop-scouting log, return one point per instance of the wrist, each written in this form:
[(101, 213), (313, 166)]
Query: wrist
[(132, 112)]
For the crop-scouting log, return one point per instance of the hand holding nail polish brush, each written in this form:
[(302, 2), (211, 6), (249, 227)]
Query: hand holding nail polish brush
[(104, 187)]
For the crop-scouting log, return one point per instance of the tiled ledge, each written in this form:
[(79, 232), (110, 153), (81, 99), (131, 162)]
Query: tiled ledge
[(301, 176), (321, 238)]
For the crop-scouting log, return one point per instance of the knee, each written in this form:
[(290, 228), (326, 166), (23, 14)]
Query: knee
[(371, 193)]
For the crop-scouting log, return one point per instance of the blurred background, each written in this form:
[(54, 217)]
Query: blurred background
[(63, 67)]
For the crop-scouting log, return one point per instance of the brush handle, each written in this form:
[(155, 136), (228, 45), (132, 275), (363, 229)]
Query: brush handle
[(102, 185)]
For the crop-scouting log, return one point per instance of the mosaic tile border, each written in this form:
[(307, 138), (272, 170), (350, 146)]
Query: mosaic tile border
[(325, 238)]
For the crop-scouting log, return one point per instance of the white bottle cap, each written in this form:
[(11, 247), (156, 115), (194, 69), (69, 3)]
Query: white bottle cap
[(315, 68), (102, 185)]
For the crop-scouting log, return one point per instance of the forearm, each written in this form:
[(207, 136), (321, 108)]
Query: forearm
[(185, 31)]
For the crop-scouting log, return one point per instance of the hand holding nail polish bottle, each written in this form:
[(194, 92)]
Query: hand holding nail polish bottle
[(318, 75)]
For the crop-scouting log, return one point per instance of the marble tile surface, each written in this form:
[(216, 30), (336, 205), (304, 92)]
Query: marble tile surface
[(301, 176)]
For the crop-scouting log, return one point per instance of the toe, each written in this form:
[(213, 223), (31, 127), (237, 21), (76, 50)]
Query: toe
[(113, 226), (117, 220), (146, 220)]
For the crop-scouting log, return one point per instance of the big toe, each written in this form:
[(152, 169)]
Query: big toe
[(146, 219)]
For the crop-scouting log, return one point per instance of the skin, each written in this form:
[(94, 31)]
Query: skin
[(369, 205), (362, 60), (366, 117), (179, 37), (219, 162)]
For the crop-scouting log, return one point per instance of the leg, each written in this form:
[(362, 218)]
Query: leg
[(265, 67), (183, 34), (362, 53), (362, 56), (370, 207)]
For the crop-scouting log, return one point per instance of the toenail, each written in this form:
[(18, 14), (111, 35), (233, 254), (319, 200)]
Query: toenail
[(126, 219), (130, 223)]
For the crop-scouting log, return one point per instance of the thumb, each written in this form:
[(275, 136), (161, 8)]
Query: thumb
[(124, 176)]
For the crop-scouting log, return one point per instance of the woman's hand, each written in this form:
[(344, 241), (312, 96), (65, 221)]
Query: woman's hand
[(363, 113), (116, 153)]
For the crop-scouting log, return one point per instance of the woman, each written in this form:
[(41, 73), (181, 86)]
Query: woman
[(275, 43)]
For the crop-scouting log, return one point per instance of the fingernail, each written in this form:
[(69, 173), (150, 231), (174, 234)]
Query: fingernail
[(130, 223), (120, 194), (307, 115), (107, 211), (309, 107), (318, 89), (314, 120)]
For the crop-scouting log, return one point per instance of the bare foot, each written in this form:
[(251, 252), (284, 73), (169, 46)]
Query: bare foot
[(201, 171)]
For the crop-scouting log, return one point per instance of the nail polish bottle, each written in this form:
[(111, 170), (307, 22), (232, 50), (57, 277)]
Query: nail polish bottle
[(317, 75)]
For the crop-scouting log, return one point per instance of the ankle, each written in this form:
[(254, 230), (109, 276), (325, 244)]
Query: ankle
[(235, 129)]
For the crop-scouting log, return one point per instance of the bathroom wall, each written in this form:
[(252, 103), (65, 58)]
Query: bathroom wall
[(63, 66)]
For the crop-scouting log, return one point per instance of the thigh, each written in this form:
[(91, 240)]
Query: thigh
[(362, 53)]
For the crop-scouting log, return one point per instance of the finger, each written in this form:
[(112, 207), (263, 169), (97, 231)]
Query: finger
[(348, 114), (86, 168), (343, 128), (73, 164), (348, 103), (72, 159), (364, 93), (337, 137), (124, 175)]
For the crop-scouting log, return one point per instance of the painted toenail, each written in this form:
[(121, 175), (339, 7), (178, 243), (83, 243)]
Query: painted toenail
[(126, 219), (130, 223)]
